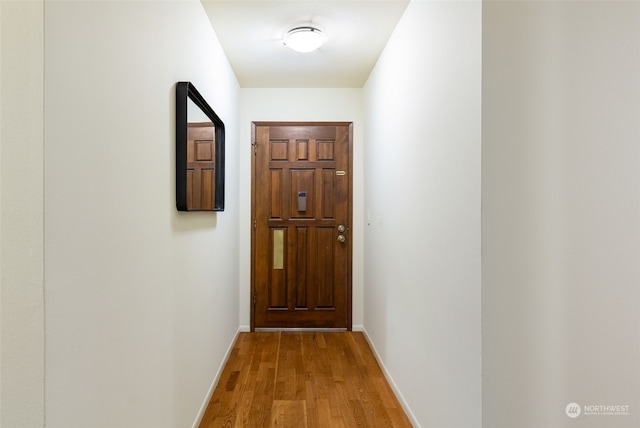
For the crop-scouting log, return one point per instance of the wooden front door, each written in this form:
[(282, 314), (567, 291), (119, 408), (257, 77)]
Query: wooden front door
[(301, 240)]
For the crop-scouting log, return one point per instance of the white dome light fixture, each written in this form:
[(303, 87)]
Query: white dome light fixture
[(304, 39)]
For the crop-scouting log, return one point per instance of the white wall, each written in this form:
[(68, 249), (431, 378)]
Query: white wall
[(21, 214), (313, 105), (141, 301), (422, 199), (561, 212)]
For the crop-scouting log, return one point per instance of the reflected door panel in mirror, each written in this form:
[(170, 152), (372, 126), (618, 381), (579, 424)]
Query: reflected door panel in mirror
[(200, 140), (200, 166)]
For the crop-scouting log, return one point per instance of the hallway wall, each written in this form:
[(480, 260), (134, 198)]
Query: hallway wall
[(140, 300), (21, 214), (422, 211), (561, 212)]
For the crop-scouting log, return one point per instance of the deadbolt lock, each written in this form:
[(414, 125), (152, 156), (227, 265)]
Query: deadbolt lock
[(341, 228)]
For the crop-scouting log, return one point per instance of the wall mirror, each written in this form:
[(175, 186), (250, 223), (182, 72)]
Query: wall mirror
[(199, 152)]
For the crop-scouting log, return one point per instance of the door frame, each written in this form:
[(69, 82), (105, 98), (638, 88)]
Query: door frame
[(254, 145)]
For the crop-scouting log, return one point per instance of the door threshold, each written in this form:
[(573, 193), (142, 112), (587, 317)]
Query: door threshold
[(264, 329)]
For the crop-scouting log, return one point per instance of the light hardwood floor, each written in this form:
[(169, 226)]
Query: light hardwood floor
[(303, 379)]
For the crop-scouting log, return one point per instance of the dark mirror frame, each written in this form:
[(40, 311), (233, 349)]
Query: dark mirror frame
[(186, 91)]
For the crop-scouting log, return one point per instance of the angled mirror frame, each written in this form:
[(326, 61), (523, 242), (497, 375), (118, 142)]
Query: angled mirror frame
[(186, 93)]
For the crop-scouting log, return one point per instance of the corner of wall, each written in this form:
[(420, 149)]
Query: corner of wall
[(21, 214)]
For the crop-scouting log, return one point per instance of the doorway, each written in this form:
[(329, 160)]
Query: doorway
[(301, 246)]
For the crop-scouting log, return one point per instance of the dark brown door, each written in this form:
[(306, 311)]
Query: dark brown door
[(301, 240), (200, 166)]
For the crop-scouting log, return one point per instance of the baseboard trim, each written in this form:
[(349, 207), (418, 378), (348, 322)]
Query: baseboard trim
[(216, 378), (387, 375), (246, 328)]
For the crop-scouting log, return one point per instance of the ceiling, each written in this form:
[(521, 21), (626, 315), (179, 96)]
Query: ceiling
[(251, 35)]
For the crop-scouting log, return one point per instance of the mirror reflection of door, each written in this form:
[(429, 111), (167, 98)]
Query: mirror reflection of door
[(200, 165), (301, 241), (200, 152)]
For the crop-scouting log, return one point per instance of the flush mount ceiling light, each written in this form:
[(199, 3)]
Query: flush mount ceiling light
[(304, 39)]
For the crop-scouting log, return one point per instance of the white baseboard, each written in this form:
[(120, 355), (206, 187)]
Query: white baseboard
[(216, 378), (246, 328), (387, 375)]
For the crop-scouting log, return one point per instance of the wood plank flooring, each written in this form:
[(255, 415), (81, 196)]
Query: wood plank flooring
[(303, 380)]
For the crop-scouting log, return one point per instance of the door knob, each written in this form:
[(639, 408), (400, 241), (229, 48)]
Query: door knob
[(341, 228), (341, 238)]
